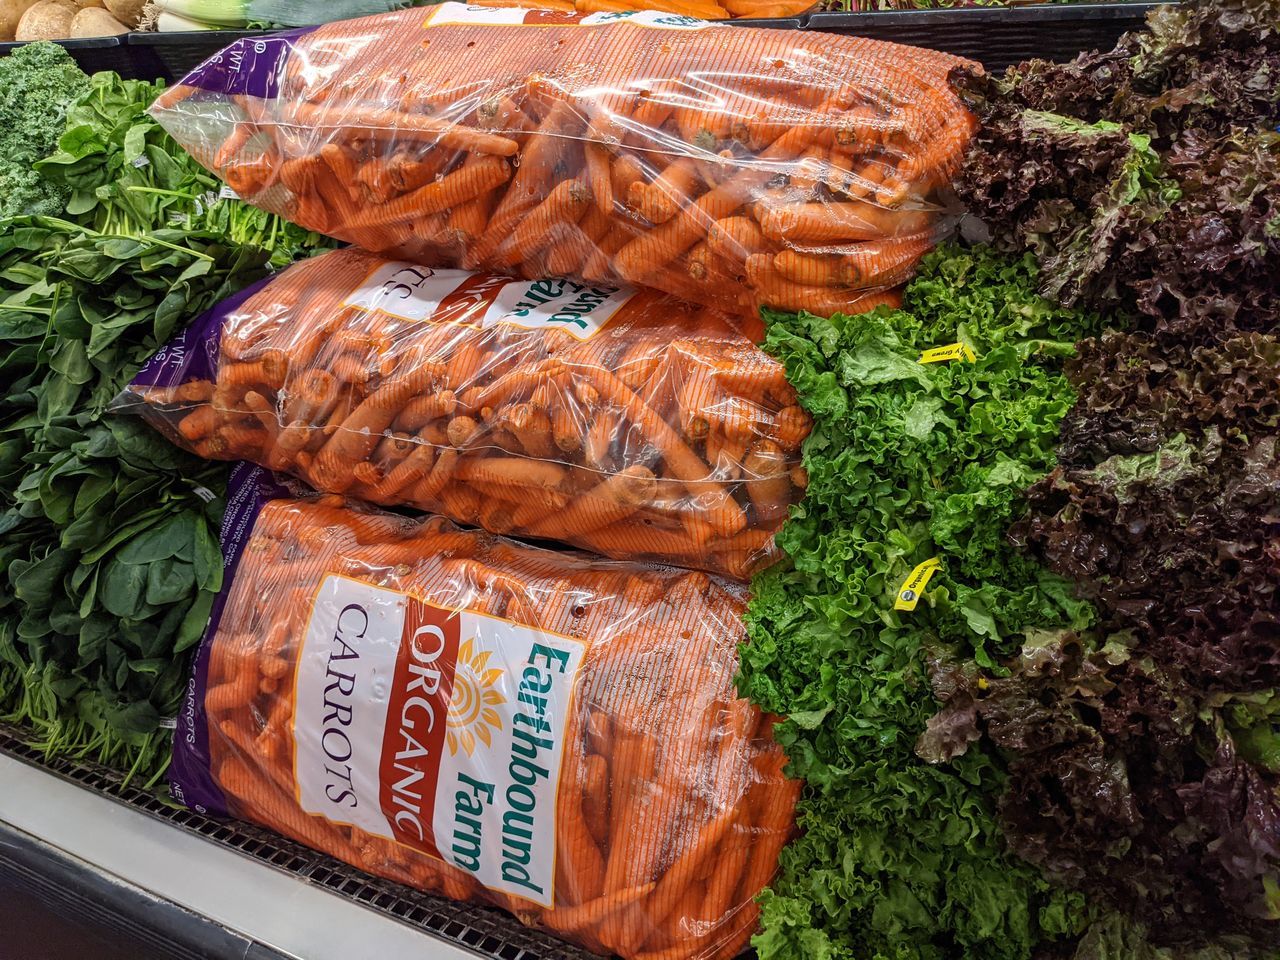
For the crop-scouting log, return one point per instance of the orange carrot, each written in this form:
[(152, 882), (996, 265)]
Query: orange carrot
[(774, 290), (373, 180), (595, 797), (465, 183), (198, 424), (652, 250), (735, 239), (567, 200), (342, 162), (768, 481), (418, 411), (503, 115), (599, 176), (570, 246), (241, 135), (723, 513), (530, 183), (626, 171), (838, 221), (374, 123), (794, 425), (610, 501), (512, 472), (658, 202), (877, 263)]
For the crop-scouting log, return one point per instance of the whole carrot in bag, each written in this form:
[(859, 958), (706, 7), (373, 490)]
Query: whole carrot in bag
[(615, 147), (623, 421), (554, 734)]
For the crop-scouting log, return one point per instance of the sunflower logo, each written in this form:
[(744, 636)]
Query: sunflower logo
[(471, 709)]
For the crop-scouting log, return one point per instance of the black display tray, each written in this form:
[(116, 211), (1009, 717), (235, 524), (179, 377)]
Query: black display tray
[(170, 56), (995, 37)]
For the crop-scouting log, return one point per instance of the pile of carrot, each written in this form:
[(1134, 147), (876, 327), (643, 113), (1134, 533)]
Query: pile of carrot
[(665, 435), (699, 9), (672, 805), (737, 170)]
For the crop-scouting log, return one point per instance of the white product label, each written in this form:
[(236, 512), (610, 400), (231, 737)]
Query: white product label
[(461, 13), (647, 18), (419, 294), (440, 730), (204, 493), (450, 13), (581, 309)]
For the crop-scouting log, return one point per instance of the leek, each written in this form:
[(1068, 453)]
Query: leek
[(168, 22), (286, 13)]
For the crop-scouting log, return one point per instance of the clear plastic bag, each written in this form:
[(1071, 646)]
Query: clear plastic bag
[(555, 734), (623, 421), (737, 170)]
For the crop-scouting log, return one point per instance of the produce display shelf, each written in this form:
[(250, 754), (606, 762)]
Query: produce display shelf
[(62, 811), (996, 37)]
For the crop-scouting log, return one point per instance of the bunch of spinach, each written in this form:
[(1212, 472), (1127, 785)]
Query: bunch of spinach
[(901, 857), (108, 536), (125, 174)]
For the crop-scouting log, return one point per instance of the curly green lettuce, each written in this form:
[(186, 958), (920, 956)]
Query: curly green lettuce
[(902, 858)]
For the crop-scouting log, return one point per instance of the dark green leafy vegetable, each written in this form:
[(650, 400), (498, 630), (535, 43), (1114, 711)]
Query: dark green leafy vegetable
[(1212, 67), (901, 858), (1137, 393), (37, 81), (108, 535), (125, 174), (1118, 937)]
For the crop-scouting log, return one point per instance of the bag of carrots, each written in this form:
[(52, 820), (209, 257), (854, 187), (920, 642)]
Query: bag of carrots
[(623, 421), (556, 734), (733, 169)]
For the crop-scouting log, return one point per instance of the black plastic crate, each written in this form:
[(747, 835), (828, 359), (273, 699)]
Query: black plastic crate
[(171, 56), (994, 36), (96, 53)]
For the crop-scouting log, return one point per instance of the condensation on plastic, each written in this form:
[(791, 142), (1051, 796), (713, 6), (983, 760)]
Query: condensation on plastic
[(626, 422), (737, 170), (671, 806)]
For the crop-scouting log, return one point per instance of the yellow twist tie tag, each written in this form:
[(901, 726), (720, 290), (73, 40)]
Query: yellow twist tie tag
[(913, 586), (952, 351)]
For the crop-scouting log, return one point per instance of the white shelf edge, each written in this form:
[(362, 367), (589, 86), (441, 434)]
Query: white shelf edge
[(286, 913)]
